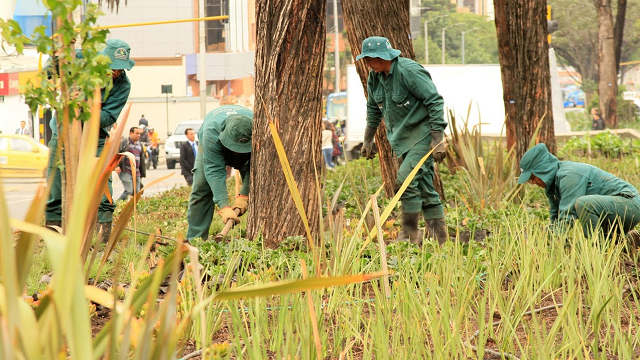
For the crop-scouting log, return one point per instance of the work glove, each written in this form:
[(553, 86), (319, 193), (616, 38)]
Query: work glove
[(367, 147), (440, 149), (227, 214), (241, 203)]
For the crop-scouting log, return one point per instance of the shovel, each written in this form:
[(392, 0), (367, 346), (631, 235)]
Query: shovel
[(230, 223)]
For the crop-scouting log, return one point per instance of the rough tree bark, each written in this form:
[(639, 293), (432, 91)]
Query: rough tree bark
[(607, 66), (289, 60), (391, 20), (526, 80), (618, 31)]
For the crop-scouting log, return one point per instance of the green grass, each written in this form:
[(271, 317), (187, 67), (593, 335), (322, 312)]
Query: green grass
[(443, 300)]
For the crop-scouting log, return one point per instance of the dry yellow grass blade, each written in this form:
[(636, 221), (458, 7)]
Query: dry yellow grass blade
[(405, 184), (312, 314), (291, 182)]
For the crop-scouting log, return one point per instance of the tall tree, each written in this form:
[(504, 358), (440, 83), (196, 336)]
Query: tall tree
[(391, 20), (289, 58), (576, 40), (524, 61), (607, 66), (618, 31)]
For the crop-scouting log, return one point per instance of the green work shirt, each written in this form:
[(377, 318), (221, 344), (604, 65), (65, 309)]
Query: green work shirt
[(113, 102), (566, 181), (408, 101), (214, 152)]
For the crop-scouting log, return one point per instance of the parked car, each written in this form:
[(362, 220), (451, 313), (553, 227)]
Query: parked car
[(172, 145), (22, 156)]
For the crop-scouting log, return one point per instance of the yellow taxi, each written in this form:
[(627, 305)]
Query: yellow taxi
[(22, 156)]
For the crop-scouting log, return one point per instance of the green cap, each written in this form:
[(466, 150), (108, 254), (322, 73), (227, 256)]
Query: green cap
[(536, 158), (378, 47), (236, 135), (120, 54)]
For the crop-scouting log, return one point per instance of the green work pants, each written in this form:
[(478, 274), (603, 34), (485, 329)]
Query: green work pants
[(53, 209), (201, 204), (607, 212), (420, 195)]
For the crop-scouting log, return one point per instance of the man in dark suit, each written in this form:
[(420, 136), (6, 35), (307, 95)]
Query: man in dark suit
[(188, 151)]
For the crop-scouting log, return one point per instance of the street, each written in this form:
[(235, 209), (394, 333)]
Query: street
[(20, 192)]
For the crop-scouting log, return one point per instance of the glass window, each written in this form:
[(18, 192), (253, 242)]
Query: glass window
[(21, 145), (182, 127), (3, 143), (215, 33)]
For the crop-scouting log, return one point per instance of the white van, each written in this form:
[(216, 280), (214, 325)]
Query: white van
[(172, 146)]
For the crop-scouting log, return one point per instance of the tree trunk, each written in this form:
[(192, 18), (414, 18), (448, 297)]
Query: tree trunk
[(391, 20), (608, 84), (618, 31), (289, 60), (524, 63)]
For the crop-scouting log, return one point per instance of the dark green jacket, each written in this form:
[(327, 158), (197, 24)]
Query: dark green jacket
[(216, 157), (566, 181), (408, 101), (113, 102)]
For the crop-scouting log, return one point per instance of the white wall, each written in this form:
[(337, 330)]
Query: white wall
[(480, 85), (12, 111), (153, 40), (146, 81)]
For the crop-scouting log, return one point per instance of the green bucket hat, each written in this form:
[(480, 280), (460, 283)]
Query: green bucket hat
[(538, 161), (119, 52), (378, 47), (236, 135)]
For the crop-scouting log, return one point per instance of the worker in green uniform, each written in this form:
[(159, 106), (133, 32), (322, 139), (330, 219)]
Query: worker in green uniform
[(225, 140), (581, 191), (113, 102), (401, 91)]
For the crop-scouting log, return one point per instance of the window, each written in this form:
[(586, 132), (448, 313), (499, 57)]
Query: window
[(21, 145), (215, 29)]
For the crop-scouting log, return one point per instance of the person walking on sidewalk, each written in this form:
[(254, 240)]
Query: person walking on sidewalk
[(124, 169), (188, 152)]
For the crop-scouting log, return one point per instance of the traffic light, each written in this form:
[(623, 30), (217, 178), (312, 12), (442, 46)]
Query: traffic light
[(552, 25)]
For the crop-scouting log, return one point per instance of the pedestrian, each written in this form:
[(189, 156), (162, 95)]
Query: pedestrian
[(401, 91), (143, 121), (113, 102), (225, 140), (125, 170), (581, 191), (337, 145), (23, 129), (327, 145), (597, 122), (188, 152)]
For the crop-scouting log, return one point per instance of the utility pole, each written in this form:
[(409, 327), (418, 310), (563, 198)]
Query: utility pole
[(337, 48), (202, 71), (426, 37), (464, 32), (443, 38)]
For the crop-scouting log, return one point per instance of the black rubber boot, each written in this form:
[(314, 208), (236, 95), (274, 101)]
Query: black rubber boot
[(409, 230), (104, 230), (54, 225), (437, 229)]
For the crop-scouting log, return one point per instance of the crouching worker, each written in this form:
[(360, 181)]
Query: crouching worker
[(225, 140), (582, 191)]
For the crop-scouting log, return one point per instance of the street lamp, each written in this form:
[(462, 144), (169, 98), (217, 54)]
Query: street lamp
[(464, 32), (426, 37), (443, 38)]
